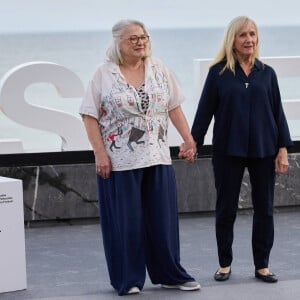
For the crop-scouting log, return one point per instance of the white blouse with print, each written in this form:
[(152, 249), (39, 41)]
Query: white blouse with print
[(133, 138)]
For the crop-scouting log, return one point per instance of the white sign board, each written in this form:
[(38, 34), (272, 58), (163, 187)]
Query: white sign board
[(12, 239)]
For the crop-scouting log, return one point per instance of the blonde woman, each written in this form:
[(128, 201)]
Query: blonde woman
[(250, 131)]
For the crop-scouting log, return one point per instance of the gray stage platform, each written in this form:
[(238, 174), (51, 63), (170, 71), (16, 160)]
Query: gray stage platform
[(66, 261)]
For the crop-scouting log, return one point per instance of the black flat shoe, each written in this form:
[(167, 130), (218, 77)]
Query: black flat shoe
[(222, 276), (270, 278)]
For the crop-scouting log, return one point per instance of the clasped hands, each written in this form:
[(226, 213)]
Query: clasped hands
[(188, 151)]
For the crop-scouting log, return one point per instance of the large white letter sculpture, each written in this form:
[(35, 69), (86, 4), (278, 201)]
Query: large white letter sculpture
[(69, 127), (15, 107)]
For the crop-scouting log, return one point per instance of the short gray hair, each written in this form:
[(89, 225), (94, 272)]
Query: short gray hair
[(113, 53)]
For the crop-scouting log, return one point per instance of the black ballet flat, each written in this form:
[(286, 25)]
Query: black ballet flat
[(270, 278), (222, 276)]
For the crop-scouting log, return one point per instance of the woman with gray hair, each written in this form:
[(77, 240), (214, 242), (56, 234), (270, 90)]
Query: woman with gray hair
[(250, 131), (126, 110)]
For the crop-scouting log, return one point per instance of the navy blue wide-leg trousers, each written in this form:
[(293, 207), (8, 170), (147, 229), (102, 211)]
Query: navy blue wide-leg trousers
[(139, 221), (228, 172)]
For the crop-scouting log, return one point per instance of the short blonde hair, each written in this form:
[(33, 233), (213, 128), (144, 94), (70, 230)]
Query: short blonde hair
[(113, 53), (227, 53)]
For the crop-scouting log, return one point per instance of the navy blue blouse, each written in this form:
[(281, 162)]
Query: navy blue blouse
[(247, 110)]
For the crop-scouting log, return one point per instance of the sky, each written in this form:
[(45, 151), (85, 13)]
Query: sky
[(80, 15)]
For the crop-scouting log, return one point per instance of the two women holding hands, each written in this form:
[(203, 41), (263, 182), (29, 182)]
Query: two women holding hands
[(126, 110)]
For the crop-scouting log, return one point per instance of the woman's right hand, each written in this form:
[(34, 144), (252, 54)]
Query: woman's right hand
[(103, 164), (102, 160)]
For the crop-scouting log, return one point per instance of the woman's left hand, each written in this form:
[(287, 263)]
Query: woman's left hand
[(281, 161)]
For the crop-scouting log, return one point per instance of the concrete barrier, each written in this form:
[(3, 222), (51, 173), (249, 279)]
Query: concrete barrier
[(69, 191)]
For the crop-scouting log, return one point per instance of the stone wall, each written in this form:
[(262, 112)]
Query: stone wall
[(69, 191), (197, 193)]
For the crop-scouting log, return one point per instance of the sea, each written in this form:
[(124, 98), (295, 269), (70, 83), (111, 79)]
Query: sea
[(82, 52)]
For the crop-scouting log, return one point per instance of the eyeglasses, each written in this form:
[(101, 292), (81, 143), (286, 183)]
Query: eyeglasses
[(134, 39)]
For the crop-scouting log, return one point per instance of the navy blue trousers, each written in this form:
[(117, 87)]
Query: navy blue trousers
[(228, 172), (139, 221)]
